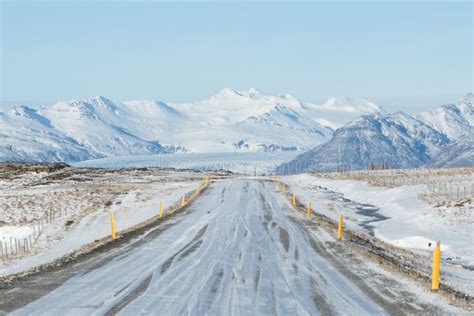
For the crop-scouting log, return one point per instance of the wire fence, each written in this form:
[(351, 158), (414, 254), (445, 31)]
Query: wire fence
[(448, 184), (12, 247)]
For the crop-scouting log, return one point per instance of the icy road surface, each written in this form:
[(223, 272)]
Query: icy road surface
[(239, 249)]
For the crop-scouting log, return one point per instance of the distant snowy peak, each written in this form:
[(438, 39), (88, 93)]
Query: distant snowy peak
[(152, 109), (228, 92), (233, 106), (23, 111), (466, 106), (96, 104), (100, 126), (26, 135), (336, 112), (254, 94), (229, 106), (352, 105), (454, 120)]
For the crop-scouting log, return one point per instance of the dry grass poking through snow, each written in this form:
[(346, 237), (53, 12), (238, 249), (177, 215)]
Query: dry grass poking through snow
[(41, 203), (30, 192)]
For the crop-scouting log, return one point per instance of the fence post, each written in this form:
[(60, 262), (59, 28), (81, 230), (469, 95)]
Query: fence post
[(309, 210), (161, 209), (436, 264), (112, 224), (339, 228), (293, 200)]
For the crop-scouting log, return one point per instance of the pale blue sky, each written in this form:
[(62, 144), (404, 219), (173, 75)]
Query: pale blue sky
[(394, 53)]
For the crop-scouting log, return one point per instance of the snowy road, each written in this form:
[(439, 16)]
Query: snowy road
[(239, 249)]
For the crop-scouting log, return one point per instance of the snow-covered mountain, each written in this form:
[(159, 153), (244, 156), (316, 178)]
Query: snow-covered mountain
[(253, 121), (459, 153), (239, 121), (230, 121), (102, 126), (69, 131), (441, 137), (336, 112), (453, 120), (397, 139), (26, 135)]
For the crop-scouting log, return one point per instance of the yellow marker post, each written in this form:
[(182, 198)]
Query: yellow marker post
[(436, 264), (339, 228), (161, 209), (112, 224), (293, 200), (183, 201), (309, 210)]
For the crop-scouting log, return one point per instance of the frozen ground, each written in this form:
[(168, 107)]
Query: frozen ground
[(246, 163), (403, 215), (58, 212), (239, 249)]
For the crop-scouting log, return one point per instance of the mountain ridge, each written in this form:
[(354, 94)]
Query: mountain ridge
[(229, 121), (398, 139), (103, 127)]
